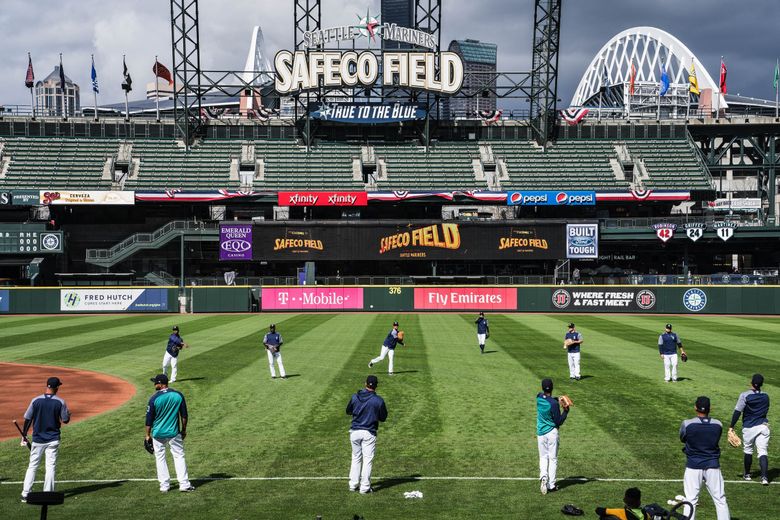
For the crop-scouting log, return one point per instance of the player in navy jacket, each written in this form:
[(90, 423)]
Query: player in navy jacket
[(753, 405), (668, 343), (701, 436), (367, 410), (483, 331), (171, 356)]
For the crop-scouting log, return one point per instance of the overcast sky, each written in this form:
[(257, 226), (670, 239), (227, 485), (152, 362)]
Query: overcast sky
[(745, 32)]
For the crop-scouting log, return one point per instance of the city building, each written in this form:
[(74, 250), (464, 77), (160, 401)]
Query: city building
[(399, 12), (48, 96), (479, 65)]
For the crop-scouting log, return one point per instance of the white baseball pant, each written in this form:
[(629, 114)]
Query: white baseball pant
[(574, 364), (173, 362), (713, 479), (670, 367), (757, 436), (363, 446), (278, 357), (40, 450), (481, 338), (548, 456), (390, 353), (176, 445)]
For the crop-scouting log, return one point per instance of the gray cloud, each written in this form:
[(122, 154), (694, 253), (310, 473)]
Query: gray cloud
[(141, 29)]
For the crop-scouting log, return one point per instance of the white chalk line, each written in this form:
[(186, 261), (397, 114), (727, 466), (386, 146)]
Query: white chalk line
[(379, 479)]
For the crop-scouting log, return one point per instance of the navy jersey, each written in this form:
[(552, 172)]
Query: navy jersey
[(392, 339), (701, 436), (576, 336), (482, 325), (174, 344), (668, 342), (47, 412), (367, 410), (754, 407), (274, 339)]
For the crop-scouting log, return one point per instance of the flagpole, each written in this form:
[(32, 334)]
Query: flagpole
[(62, 88), (127, 108), (94, 93), (720, 73), (156, 89), (688, 110), (32, 102), (777, 86)]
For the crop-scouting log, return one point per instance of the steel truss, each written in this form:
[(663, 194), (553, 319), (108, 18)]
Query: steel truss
[(544, 68), (185, 46)]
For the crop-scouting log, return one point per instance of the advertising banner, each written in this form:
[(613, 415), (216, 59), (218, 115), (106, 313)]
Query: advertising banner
[(6, 197), (600, 299), (408, 241), (323, 198), (366, 113), (4, 298), (112, 300), (582, 240), (551, 198), (103, 198), (25, 197), (235, 242), (746, 205), (312, 298), (465, 298)]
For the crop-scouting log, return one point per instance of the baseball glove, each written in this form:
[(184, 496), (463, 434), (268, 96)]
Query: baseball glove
[(734, 439), (273, 349), (148, 446), (487, 335), (400, 335), (684, 357), (571, 509), (565, 401)]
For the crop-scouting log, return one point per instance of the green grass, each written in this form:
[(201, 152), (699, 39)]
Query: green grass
[(452, 413)]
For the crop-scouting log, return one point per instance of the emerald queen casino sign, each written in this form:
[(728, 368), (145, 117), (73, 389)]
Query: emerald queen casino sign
[(307, 70)]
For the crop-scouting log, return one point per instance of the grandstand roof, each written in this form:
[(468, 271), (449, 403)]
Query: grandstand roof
[(475, 51)]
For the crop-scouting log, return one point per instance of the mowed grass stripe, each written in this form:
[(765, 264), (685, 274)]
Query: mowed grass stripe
[(705, 353), (158, 333)]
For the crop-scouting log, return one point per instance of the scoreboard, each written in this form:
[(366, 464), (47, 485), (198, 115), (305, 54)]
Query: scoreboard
[(24, 239)]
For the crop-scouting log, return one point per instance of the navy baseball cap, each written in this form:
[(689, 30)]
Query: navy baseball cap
[(273, 326), (159, 379), (703, 404), (668, 326), (395, 323), (571, 325), (176, 328), (757, 380), (547, 385), (53, 382), (481, 313), (371, 382)]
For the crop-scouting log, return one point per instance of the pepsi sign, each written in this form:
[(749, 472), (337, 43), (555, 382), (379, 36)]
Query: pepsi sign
[(551, 198)]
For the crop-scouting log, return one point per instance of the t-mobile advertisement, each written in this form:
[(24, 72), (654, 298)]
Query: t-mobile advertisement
[(235, 242), (312, 298), (465, 298)]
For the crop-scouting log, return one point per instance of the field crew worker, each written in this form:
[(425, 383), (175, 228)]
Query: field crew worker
[(45, 413), (483, 331), (367, 410), (701, 436), (548, 420), (668, 342), (171, 356), (753, 405), (166, 425), (273, 344), (574, 340)]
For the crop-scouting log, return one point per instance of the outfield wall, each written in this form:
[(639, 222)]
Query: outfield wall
[(528, 298)]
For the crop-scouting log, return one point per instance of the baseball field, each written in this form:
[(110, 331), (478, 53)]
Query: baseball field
[(461, 426)]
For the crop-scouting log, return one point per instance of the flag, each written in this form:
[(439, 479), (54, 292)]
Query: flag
[(604, 80), (161, 71), (664, 81), (723, 71), (127, 84), (489, 116), (694, 88), (29, 80), (774, 84), (62, 75), (632, 80), (574, 115), (94, 78)]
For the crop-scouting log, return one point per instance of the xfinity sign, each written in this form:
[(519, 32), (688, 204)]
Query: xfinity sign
[(551, 198)]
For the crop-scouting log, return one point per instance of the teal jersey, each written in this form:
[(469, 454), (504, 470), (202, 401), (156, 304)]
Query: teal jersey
[(163, 412), (548, 414)]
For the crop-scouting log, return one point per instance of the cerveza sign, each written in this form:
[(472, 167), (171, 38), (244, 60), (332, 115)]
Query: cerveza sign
[(366, 113), (301, 70)]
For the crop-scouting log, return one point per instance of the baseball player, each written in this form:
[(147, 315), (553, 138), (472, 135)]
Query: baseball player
[(166, 425), (572, 342), (668, 343), (753, 405), (483, 331), (273, 344), (388, 348), (701, 436), (367, 410), (171, 357), (45, 413), (548, 420)]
